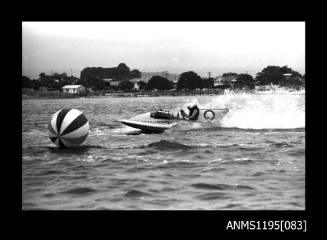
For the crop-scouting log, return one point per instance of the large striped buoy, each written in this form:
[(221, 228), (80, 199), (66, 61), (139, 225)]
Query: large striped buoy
[(68, 128)]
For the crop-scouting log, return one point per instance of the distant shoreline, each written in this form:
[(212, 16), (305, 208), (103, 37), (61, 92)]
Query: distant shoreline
[(56, 95)]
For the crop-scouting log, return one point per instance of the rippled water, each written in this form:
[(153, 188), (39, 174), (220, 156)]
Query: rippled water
[(255, 160)]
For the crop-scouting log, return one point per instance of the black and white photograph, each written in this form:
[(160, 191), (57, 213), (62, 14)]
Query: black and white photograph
[(163, 115)]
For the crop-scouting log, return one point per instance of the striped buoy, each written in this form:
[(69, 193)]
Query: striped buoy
[(68, 128)]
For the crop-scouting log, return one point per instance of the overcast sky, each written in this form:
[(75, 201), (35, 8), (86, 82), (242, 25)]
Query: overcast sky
[(175, 46)]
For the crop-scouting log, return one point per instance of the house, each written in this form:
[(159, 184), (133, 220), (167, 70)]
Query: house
[(74, 89), (136, 87), (287, 75), (114, 83), (136, 81), (107, 81), (225, 81), (143, 79), (218, 81)]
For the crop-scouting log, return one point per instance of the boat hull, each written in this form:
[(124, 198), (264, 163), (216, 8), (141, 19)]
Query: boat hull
[(147, 123), (148, 126)]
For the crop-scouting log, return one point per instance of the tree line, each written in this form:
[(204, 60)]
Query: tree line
[(54, 81), (93, 78), (120, 73)]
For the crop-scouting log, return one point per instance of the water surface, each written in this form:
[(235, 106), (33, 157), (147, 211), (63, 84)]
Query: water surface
[(255, 160)]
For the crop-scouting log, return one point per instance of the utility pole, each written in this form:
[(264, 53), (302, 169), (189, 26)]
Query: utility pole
[(71, 76), (209, 73)]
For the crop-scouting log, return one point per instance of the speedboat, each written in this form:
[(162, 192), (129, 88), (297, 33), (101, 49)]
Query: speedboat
[(162, 119)]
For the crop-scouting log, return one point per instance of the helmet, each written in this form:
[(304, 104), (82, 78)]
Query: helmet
[(192, 106)]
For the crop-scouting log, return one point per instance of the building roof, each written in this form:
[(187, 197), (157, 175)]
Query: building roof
[(146, 79), (135, 80), (143, 79), (72, 86), (227, 79)]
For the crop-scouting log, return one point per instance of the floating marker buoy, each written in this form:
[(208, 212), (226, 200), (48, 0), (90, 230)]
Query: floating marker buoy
[(68, 128)]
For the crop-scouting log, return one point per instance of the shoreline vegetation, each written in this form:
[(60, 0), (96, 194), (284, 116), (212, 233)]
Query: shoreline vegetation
[(210, 92), (120, 81), (57, 94)]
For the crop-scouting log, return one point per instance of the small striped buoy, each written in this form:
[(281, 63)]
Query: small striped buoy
[(68, 128)]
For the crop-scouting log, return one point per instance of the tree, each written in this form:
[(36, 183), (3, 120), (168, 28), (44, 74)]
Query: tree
[(42, 76), (126, 85), (121, 72), (81, 82), (229, 74), (36, 84), (26, 82), (56, 80), (270, 75), (275, 75), (135, 74), (245, 81), (106, 85), (95, 83), (123, 67), (142, 84), (189, 80), (294, 82), (158, 82), (286, 69), (208, 82), (64, 79), (44, 80)]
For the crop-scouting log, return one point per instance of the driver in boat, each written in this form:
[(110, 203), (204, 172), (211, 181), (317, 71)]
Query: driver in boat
[(194, 112)]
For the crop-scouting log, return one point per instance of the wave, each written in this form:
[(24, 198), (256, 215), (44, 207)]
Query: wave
[(280, 145), (273, 110), (168, 145), (234, 129), (82, 149), (136, 194), (220, 186), (296, 152), (79, 190), (212, 196), (71, 150), (218, 128), (177, 164), (51, 172)]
